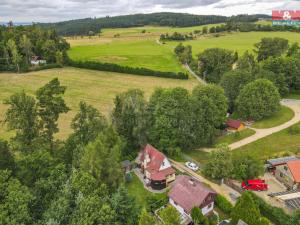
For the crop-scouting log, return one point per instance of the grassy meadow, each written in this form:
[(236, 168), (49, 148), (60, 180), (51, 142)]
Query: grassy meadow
[(95, 87)]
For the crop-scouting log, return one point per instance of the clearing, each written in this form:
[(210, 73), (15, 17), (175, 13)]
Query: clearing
[(95, 87)]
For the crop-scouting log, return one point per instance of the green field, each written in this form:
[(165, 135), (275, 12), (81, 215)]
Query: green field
[(239, 42), (283, 115), (95, 87), (278, 144), (136, 53)]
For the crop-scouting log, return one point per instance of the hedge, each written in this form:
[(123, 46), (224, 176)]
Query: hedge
[(274, 214), (125, 69), (223, 204)]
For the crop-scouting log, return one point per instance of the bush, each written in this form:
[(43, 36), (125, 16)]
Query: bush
[(274, 214), (125, 69), (223, 204)]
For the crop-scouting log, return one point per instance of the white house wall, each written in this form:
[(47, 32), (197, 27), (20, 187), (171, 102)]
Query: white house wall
[(178, 207), (208, 209)]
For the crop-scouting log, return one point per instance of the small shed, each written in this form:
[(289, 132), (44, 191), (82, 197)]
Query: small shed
[(273, 163), (126, 166), (235, 125)]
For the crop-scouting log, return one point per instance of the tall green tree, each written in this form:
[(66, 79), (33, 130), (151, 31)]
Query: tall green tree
[(170, 216), (216, 94), (7, 161), (233, 82), (21, 116), (102, 158), (214, 62), (198, 218), (269, 47), (15, 201), (246, 210), (129, 119), (220, 164), (125, 206), (26, 47), (247, 62), (146, 219), (258, 99), (50, 105), (14, 53)]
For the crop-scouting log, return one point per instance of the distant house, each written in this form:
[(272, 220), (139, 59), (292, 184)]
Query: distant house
[(289, 174), (272, 164), (37, 60), (234, 125), (187, 193), (156, 167)]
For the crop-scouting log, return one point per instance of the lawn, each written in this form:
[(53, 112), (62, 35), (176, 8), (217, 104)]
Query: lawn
[(240, 42), (136, 189), (95, 87), (293, 95), (234, 137), (134, 53), (278, 144), (283, 115)]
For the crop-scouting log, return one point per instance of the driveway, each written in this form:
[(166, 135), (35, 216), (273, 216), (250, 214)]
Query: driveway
[(261, 133)]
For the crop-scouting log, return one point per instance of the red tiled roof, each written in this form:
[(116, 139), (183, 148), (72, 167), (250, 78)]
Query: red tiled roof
[(189, 192), (294, 167), (156, 157), (161, 175), (234, 123)]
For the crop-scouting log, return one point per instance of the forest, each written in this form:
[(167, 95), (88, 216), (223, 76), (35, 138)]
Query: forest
[(84, 26)]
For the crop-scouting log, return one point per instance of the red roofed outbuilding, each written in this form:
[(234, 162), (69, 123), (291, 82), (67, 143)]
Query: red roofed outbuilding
[(234, 125), (156, 167), (289, 174), (187, 193)]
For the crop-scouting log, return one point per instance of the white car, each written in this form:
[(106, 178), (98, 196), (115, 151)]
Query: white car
[(192, 166)]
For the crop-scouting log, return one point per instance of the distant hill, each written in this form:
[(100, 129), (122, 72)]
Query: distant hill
[(84, 26)]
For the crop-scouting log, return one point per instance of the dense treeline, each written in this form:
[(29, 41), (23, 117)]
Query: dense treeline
[(126, 69), (84, 26), (18, 44), (176, 37)]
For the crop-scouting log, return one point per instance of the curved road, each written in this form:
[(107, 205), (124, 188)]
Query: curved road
[(261, 133)]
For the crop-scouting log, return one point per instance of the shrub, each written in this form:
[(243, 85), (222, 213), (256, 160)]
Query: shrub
[(125, 69), (223, 204)]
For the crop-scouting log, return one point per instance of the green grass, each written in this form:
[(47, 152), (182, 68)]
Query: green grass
[(240, 42), (198, 155), (134, 53), (234, 137), (283, 115), (293, 95), (95, 87), (278, 144), (136, 189)]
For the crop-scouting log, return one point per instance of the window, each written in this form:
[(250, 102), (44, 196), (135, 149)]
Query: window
[(281, 174), (209, 206), (285, 167)]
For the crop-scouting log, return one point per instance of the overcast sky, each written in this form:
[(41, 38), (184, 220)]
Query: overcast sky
[(59, 10)]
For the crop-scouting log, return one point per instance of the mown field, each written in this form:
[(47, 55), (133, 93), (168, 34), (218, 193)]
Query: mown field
[(95, 87), (140, 49)]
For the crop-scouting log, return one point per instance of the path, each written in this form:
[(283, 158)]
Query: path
[(221, 189), (261, 133), (194, 74)]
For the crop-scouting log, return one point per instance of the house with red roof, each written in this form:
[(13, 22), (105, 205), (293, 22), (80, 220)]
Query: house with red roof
[(156, 167), (188, 192), (234, 125), (289, 174)]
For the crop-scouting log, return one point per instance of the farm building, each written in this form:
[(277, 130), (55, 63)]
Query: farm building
[(37, 60), (156, 168), (234, 125), (187, 193), (272, 164), (289, 174)]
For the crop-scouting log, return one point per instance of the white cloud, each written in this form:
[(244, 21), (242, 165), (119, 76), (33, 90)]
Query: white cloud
[(59, 10)]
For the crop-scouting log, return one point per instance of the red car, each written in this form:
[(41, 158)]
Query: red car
[(255, 185)]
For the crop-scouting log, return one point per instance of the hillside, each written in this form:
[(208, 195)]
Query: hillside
[(84, 26)]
